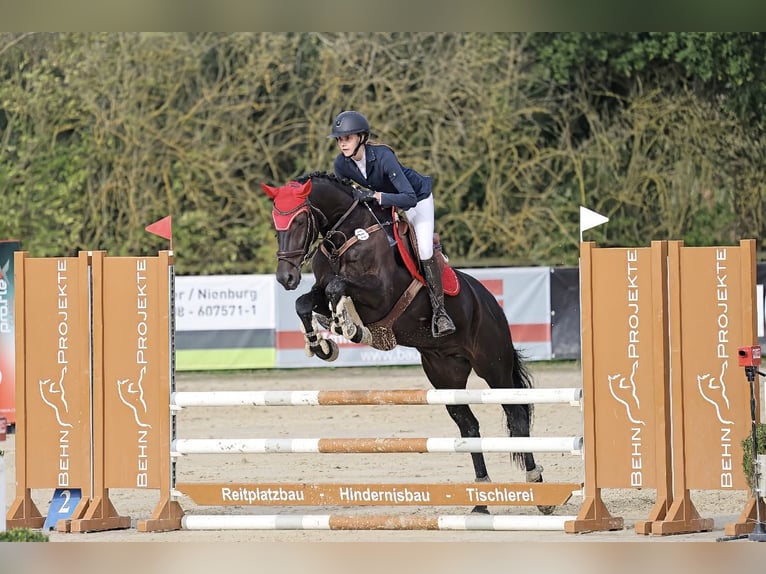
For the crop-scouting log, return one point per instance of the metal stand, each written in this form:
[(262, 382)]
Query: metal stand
[(759, 531)]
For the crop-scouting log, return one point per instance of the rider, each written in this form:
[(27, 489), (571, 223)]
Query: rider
[(376, 167)]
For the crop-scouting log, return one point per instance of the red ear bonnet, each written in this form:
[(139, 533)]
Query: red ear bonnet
[(289, 200), (270, 191)]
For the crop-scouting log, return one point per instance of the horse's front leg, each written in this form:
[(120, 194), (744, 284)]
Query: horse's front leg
[(345, 319), (315, 344)]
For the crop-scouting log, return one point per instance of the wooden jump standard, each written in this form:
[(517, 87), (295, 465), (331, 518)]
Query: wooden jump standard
[(660, 331), (707, 309)]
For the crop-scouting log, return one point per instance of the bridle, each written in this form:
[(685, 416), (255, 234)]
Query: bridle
[(328, 247), (306, 252)]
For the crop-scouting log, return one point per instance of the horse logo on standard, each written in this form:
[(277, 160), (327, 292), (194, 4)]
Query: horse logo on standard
[(625, 393), (53, 394), (713, 390), (132, 396)]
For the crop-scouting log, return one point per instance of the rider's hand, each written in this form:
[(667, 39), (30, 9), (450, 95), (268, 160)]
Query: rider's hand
[(364, 195)]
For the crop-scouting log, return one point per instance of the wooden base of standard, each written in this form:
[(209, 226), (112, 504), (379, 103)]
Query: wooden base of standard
[(746, 521), (65, 525), (659, 512), (24, 514), (101, 515), (682, 518), (166, 517), (593, 517)]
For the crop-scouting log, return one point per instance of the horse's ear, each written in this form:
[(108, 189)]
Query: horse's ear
[(270, 191), (306, 189)]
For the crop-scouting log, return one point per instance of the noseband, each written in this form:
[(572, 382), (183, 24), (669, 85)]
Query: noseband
[(306, 252)]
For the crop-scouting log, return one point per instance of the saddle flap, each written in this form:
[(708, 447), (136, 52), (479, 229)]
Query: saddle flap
[(406, 244)]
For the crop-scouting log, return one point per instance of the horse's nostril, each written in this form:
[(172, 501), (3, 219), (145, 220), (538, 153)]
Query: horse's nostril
[(289, 281)]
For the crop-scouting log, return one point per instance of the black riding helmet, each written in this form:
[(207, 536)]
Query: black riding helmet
[(349, 122)]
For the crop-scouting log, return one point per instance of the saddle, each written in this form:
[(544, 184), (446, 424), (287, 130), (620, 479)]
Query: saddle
[(406, 243)]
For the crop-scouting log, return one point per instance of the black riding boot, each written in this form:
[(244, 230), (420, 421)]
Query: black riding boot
[(441, 323)]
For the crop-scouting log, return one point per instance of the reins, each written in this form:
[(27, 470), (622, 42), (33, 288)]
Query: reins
[(333, 252), (330, 247)]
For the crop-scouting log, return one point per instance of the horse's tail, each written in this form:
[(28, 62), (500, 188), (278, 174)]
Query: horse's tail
[(522, 379)]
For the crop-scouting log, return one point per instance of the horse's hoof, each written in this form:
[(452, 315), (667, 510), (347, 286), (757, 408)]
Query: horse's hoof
[(480, 510), (327, 350), (536, 474)]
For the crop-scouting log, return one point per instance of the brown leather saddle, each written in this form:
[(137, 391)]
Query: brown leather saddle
[(406, 243)]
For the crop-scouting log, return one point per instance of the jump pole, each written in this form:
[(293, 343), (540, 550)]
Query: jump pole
[(572, 396), (375, 494), (372, 522), (377, 445)]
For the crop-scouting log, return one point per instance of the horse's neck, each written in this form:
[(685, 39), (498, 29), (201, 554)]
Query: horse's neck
[(336, 211)]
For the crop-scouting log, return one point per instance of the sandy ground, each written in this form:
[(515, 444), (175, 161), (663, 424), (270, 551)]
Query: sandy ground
[(372, 421)]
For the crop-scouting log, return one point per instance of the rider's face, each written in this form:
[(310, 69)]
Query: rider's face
[(347, 144)]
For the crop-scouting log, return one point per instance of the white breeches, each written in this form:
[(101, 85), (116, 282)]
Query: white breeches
[(421, 217)]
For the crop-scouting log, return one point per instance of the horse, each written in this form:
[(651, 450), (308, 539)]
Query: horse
[(365, 292)]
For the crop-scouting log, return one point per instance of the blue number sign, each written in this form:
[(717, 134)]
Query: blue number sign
[(64, 502)]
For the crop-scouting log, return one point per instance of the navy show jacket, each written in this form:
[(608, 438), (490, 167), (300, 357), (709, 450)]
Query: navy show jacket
[(400, 186)]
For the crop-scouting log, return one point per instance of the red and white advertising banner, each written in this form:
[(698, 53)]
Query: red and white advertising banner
[(523, 293)]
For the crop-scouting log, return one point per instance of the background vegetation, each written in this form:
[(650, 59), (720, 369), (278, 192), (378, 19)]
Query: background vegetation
[(102, 134)]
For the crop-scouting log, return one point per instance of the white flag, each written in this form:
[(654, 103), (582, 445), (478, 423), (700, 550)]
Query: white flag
[(589, 219)]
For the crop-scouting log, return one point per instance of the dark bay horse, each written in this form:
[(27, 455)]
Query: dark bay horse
[(360, 278)]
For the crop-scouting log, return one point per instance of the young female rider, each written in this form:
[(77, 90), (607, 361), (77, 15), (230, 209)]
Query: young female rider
[(376, 167)]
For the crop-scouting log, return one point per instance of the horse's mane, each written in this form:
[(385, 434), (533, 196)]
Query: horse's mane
[(346, 185), (345, 182)]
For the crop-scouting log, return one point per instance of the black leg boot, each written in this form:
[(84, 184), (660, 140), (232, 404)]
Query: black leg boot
[(441, 323)]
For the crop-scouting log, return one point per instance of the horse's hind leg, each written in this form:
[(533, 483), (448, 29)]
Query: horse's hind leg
[(469, 428), (452, 373), (518, 419), (350, 323), (514, 375)]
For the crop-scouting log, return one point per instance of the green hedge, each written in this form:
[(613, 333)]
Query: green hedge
[(104, 133), (23, 535), (747, 455)]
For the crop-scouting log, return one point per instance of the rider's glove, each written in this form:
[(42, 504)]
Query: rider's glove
[(364, 195)]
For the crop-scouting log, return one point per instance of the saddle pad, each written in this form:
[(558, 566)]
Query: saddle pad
[(449, 279)]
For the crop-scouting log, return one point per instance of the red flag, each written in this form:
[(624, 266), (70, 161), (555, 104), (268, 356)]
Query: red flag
[(163, 228)]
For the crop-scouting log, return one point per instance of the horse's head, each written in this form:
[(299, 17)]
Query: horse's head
[(296, 228)]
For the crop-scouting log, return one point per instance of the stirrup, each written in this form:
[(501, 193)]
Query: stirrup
[(442, 325)]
